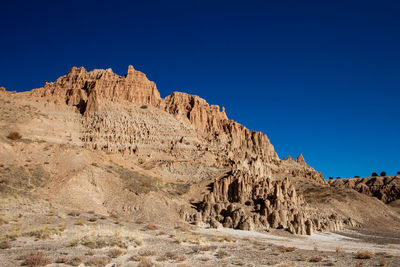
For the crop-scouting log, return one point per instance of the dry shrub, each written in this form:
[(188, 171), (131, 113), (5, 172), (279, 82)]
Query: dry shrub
[(145, 262), (102, 241), (183, 229), (152, 227), (180, 258), (74, 261), (284, 249), (315, 259), (147, 253), (61, 260), (42, 232), (52, 212), (222, 238), (339, 249), (382, 262), (387, 255), (14, 136), (364, 255), (98, 261), (80, 222), (208, 248), (36, 259), (74, 213), (115, 253), (329, 263), (5, 245), (221, 254), (62, 226), (162, 233), (92, 219), (204, 258)]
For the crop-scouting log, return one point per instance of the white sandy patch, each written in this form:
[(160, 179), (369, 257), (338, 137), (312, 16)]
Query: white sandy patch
[(320, 241)]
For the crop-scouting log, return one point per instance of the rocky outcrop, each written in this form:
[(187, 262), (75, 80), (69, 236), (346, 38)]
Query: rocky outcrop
[(387, 189), (242, 201), (88, 90)]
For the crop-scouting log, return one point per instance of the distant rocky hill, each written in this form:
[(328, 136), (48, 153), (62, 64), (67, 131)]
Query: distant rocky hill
[(386, 189), (111, 144)]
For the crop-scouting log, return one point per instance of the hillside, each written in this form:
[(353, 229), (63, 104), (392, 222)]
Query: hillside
[(99, 143)]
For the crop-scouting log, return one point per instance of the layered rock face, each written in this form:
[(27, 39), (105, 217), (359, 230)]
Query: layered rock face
[(183, 137), (387, 189), (242, 201), (88, 90)]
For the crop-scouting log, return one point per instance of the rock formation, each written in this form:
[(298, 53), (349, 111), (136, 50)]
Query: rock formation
[(242, 201), (87, 90), (182, 136), (387, 189)]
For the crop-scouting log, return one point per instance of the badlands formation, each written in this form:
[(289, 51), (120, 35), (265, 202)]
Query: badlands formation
[(99, 143)]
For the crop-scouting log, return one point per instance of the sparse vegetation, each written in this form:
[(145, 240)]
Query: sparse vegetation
[(36, 259), (80, 222), (143, 106), (221, 254), (14, 136), (5, 245), (374, 174), (284, 249), (152, 227), (147, 253), (364, 255), (382, 262), (98, 261), (315, 259), (383, 173), (330, 178), (115, 253)]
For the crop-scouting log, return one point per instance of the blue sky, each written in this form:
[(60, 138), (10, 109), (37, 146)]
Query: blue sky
[(320, 78)]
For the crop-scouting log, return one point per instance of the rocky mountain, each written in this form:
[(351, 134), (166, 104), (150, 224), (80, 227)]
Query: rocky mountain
[(113, 145), (386, 189)]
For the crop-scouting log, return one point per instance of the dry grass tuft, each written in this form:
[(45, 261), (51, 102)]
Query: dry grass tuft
[(74, 214), (221, 254), (14, 136), (382, 262), (147, 253), (5, 245), (115, 253), (92, 219), (223, 238), (339, 250), (364, 255), (284, 249), (315, 259), (152, 227), (42, 232), (80, 222), (36, 259), (98, 261)]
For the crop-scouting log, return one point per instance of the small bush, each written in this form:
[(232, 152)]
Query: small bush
[(5, 245), (98, 261), (92, 219), (356, 176), (338, 177), (221, 254), (364, 255), (74, 213), (143, 106), (14, 136), (74, 261), (315, 259), (374, 174), (339, 249), (383, 173), (36, 259), (80, 222), (147, 253), (331, 178), (115, 253), (382, 262), (284, 249), (152, 227), (398, 173)]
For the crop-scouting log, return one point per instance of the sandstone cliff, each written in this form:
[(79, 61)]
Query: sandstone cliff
[(387, 189)]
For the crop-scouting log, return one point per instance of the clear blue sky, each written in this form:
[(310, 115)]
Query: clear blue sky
[(320, 78)]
